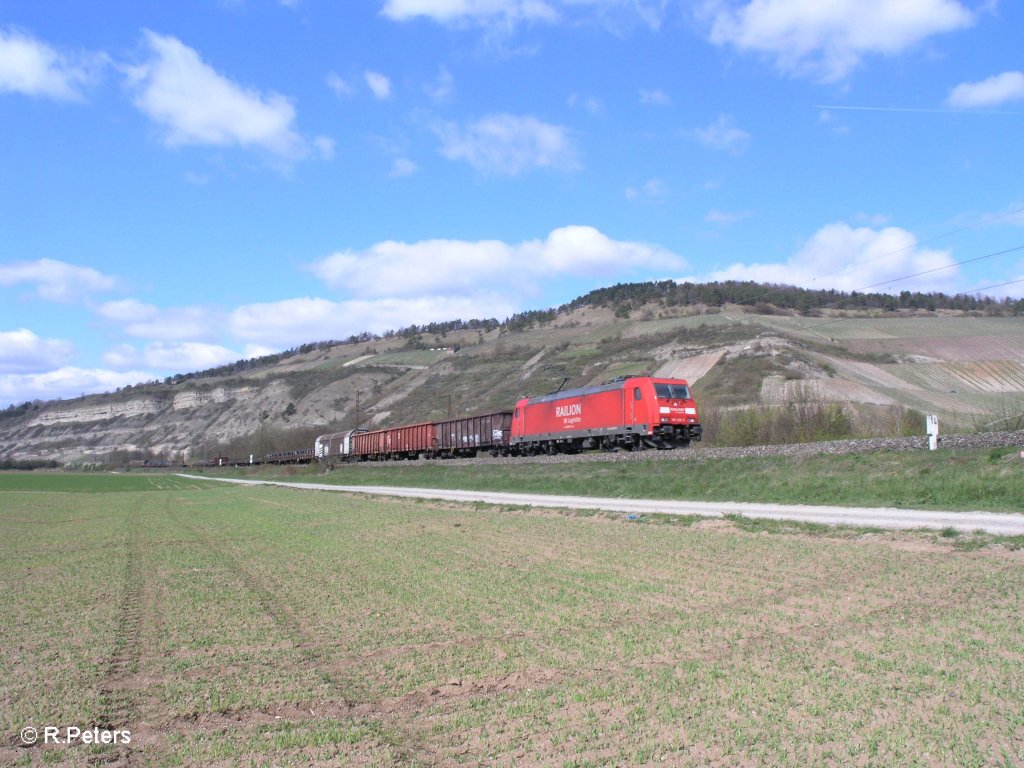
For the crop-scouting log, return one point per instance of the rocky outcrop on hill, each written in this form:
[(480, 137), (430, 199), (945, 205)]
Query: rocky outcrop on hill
[(97, 412), (872, 365), (196, 398)]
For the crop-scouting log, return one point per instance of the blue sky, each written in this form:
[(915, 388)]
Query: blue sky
[(186, 184)]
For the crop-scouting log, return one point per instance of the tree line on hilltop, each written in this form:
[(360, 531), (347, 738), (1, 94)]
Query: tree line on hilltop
[(624, 297), (749, 293), (755, 297)]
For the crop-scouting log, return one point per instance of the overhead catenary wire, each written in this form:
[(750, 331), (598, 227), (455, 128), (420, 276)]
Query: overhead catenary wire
[(997, 285), (985, 221), (918, 274), (922, 110), (916, 244), (940, 269), (891, 281)]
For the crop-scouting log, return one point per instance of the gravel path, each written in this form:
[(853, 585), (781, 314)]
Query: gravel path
[(878, 517)]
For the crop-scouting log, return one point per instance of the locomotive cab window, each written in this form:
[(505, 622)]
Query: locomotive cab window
[(672, 391), (636, 393)]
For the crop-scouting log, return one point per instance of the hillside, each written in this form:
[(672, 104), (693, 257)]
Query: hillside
[(878, 367)]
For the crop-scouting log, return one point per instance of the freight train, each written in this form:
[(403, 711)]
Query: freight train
[(627, 413)]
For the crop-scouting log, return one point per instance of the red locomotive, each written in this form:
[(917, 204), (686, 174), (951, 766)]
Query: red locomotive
[(632, 412)]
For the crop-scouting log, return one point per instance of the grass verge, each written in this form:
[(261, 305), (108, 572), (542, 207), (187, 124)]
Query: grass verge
[(941, 480)]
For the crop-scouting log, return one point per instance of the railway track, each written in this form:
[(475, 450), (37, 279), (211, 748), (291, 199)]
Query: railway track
[(699, 452)]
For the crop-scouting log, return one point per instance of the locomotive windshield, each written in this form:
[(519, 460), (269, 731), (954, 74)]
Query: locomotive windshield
[(672, 391)]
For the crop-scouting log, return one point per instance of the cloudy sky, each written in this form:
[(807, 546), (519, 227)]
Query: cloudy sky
[(185, 184)]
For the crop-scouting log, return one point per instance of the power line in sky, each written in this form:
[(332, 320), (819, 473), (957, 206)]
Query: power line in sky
[(932, 111), (946, 266)]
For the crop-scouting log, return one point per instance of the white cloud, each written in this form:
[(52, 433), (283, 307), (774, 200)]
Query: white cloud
[(197, 179), (187, 356), (725, 218), (147, 321), (650, 189), (480, 11), (992, 92), (508, 144), (829, 118), (121, 356), (402, 167), (127, 310), (848, 259), (66, 382), (590, 104), (22, 351), (723, 135), (296, 321), (828, 40), (579, 250), (258, 350), (650, 13), (324, 147), (176, 357), (197, 106), (507, 14), (31, 67), (56, 280), (341, 87), (379, 84), (464, 268), (407, 269), (876, 220), (442, 90), (282, 322), (655, 98)]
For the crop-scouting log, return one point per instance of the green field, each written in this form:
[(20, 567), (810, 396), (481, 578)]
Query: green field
[(264, 626), (959, 480)]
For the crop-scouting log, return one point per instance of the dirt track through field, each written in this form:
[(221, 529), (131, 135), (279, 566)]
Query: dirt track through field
[(118, 707), (875, 517)]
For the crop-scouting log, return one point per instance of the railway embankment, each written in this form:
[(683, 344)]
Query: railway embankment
[(698, 452)]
